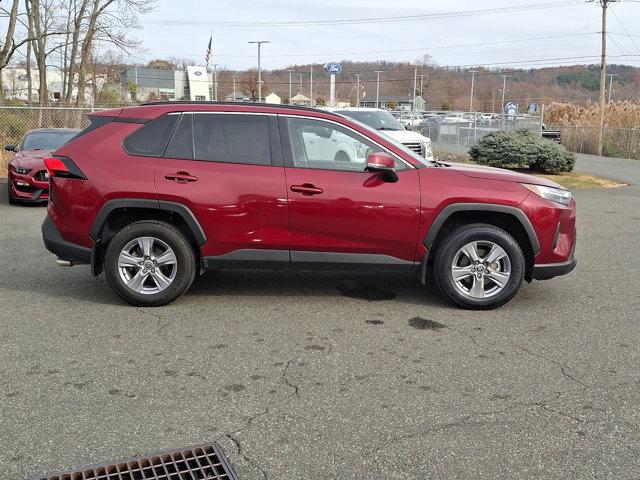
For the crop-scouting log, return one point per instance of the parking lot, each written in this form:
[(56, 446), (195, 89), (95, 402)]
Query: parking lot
[(322, 375)]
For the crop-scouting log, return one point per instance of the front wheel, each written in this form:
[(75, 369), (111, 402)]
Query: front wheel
[(479, 266), (10, 198), (150, 263)]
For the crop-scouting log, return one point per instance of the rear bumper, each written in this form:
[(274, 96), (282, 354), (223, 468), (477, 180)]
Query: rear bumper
[(64, 250), (551, 270)]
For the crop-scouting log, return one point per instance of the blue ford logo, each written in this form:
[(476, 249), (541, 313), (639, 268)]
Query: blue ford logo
[(197, 73), (332, 67)]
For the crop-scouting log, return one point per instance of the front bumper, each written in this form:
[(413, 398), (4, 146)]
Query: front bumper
[(551, 270), (64, 250), (29, 187)]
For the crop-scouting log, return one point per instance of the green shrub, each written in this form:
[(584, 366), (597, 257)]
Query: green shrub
[(522, 149)]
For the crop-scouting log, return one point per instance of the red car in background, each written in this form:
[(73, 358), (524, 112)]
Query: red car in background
[(28, 177)]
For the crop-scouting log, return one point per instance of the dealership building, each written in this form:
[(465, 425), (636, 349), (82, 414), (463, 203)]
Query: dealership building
[(193, 84)]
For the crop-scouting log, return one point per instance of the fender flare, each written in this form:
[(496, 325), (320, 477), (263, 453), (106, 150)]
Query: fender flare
[(449, 210), (184, 212)]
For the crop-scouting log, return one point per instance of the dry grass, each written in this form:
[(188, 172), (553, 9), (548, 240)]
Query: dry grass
[(577, 181)]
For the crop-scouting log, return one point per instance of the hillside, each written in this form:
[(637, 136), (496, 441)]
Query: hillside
[(451, 87)]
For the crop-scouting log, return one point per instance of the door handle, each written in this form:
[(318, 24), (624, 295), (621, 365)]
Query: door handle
[(181, 177), (306, 189)]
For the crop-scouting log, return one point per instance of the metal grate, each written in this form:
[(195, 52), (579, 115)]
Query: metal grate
[(197, 463), (417, 147)]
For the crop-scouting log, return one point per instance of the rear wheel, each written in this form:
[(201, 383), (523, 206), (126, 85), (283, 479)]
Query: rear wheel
[(150, 263), (479, 266)]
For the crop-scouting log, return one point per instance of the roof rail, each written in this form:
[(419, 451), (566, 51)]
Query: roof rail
[(250, 104)]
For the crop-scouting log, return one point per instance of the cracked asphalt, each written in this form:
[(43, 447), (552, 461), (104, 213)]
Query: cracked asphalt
[(298, 375)]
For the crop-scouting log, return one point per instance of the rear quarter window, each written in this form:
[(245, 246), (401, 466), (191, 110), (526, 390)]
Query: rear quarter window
[(151, 139)]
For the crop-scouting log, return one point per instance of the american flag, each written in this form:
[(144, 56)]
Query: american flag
[(208, 54)]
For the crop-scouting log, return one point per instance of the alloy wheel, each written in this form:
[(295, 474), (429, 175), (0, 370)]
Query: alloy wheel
[(147, 265), (481, 269)]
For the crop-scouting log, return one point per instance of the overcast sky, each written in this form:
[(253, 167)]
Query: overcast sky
[(164, 36)]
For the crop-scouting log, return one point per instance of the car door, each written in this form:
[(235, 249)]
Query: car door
[(341, 215), (227, 169)]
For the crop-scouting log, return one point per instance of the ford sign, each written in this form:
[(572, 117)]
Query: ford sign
[(332, 68)]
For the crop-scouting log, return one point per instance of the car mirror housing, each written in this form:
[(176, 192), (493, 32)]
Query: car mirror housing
[(10, 148), (383, 164)]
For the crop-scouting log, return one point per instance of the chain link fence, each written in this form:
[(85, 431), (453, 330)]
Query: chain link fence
[(16, 121), (458, 131), (617, 142)]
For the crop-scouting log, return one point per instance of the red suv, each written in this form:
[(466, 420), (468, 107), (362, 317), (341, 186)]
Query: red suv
[(154, 194)]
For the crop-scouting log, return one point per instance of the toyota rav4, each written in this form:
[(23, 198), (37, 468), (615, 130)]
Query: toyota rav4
[(154, 194)]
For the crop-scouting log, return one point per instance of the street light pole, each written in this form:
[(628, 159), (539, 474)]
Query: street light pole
[(378, 89), (357, 75), (290, 91), (311, 87), (611, 75), (415, 86), (215, 81), (234, 87), (259, 43)]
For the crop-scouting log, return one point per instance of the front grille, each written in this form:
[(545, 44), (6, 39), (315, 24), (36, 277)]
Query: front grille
[(41, 176), (417, 147), (199, 463)]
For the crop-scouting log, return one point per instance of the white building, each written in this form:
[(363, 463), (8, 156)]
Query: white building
[(273, 98)]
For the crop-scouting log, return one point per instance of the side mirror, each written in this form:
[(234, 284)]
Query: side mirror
[(383, 164), (10, 148)]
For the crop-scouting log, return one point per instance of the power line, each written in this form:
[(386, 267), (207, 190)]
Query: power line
[(352, 21), (625, 29), (423, 49)]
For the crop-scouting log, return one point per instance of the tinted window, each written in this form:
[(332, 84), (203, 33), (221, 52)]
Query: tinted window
[(181, 145), (232, 138), (51, 140), (151, 139)]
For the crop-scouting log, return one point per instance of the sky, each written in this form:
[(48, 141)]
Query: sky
[(511, 39)]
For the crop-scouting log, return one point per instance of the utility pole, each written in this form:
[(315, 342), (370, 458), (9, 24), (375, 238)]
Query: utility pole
[(259, 43), (504, 91), (378, 89), (311, 87), (290, 72), (415, 86), (234, 86), (610, 90), (300, 88), (473, 81), (357, 89), (603, 74), (421, 85)]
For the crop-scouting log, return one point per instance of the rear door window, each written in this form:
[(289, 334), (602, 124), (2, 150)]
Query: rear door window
[(232, 138), (151, 139)]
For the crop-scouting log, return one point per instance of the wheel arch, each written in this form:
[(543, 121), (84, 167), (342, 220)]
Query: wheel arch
[(511, 219), (116, 214)]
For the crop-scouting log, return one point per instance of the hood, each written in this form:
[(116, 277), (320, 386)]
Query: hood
[(491, 173), (30, 158), (404, 135)]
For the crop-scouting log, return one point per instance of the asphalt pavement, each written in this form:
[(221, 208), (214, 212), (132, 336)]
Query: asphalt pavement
[(327, 375)]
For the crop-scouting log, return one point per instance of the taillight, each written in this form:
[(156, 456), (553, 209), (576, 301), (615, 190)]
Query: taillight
[(55, 166), (63, 167)]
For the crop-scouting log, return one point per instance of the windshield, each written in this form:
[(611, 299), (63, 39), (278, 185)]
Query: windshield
[(376, 119), (51, 140), (419, 158)]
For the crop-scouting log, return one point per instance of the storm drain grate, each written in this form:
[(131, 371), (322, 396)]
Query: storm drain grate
[(198, 463)]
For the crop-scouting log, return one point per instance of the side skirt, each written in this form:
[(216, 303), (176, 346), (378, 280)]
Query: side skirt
[(304, 260)]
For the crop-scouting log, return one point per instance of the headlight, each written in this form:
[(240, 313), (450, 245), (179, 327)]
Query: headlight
[(563, 197), (20, 170), (428, 150)]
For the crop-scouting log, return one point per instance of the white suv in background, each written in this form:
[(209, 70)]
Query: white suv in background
[(388, 125)]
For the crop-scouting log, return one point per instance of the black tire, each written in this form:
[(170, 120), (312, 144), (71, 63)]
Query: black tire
[(185, 262), (456, 240), (10, 199)]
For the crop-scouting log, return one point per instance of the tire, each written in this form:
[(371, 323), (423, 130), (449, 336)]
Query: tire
[(479, 285), (174, 273), (10, 199)]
